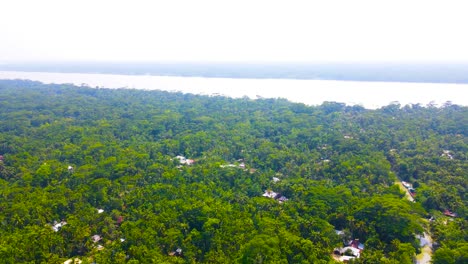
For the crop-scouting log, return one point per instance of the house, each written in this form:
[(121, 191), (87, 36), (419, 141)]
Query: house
[(406, 184), (57, 226), (352, 250), (449, 213), (355, 244), (70, 169), (446, 153), (100, 211), (340, 232), (347, 251), (282, 199), (275, 179), (184, 160), (96, 238), (230, 165), (270, 194), (177, 253)]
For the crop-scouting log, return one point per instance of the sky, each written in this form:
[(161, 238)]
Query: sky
[(217, 30)]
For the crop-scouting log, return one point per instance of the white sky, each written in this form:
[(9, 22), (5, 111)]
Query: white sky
[(237, 30)]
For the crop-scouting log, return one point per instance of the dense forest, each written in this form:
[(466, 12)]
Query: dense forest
[(133, 176)]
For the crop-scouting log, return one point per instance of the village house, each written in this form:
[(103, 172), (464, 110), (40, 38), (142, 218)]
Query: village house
[(406, 184), (353, 249), (96, 238), (273, 195), (270, 194), (230, 165), (184, 160), (447, 153), (57, 226), (410, 188), (449, 213), (177, 253)]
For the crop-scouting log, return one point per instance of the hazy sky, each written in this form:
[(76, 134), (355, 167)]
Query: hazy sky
[(237, 30)]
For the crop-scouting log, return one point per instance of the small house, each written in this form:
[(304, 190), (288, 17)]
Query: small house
[(57, 226), (406, 184), (176, 253), (184, 160), (96, 238), (282, 199), (352, 250), (449, 213), (447, 153), (356, 244), (270, 194)]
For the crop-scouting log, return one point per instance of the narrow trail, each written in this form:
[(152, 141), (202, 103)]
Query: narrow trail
[(426, 240), (426, 250)]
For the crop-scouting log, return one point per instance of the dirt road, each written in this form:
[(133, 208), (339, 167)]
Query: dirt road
[(426, 240)]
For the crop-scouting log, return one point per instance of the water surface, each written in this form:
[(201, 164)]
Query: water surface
[(311, 92)]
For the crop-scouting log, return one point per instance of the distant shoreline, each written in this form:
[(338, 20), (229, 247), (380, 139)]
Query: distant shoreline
[(370, 95), (413, 72)]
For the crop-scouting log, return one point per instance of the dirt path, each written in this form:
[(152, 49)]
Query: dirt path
[(426, 251), (426, 240)]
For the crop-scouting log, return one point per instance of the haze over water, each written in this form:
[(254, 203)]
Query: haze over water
[(311, 92)]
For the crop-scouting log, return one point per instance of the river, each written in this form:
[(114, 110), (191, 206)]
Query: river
[(311, 92)]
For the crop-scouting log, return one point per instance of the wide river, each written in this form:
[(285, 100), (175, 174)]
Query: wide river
[(311, 92)]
